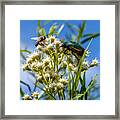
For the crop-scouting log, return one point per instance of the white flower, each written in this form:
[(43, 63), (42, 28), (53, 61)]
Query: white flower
[(39, 65), (39, 78), (26, 67), (36, 66), (46, 61), (57, 43), (35, 55), (60, 86), (94, 62), (29, 60), (71, 66), (27, 97), (52, 38), (85, 65), (63, 81), (39, 47), (52, 85), (76, 69), (46, 50), (87, 52), (35, 94), (47, 76), (50, 47)]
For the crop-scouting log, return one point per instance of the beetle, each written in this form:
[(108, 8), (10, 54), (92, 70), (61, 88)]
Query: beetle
[(76, 48)]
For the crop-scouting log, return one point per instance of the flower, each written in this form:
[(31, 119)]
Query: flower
[(39, 47), (45, 50), (57, 43), (27, 97), (36, 66), (33, 57), (94, 62), (52, 39), (56, 76), (63, 81), (35, 94), (61, 49), (87, 52), (85, 65), (47, 76), (52, 85), (39, 65), (29, 60), (70, 67), (50, 47), (39, 78), (59, 86), (46, 61), (26, 67)]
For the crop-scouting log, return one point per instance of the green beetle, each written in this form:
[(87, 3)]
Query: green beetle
[(76, 48)]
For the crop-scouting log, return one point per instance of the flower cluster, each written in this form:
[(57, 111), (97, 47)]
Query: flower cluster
[(35, 96), (86, 65), (57, 85), (53, 67), (45, 63)]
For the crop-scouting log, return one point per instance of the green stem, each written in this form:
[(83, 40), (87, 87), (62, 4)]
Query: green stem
[(59, 95), (48, 93), (63, 95), (69, 85)]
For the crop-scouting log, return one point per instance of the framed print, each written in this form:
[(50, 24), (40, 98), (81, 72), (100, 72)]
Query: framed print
[(59, 59)]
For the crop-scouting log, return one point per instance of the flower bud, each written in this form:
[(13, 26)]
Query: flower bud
[(27, 97)]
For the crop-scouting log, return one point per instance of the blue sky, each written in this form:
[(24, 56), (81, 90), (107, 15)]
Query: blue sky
[(28, 30)]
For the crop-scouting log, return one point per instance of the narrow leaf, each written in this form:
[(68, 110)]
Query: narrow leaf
[(21, 92), (52, 29), (42, 32), (78, 96), (81, 30), (89, 38), (26, 85), (25, 51)]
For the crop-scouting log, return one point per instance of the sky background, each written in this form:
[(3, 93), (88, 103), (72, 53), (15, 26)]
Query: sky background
[(28, 30)]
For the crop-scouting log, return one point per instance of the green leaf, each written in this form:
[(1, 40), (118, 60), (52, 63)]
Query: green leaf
[(87, 35), (26, 85), (72, 28), (39, 24), (92, 83), (42, 32), (25, 51), (81, 30), (21, 92), (52, 29), (84, 79), (78, 96), (89, 38)]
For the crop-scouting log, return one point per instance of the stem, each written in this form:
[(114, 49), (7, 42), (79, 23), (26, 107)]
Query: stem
[(69, 85), (48, 93), (26, 85), (63, 95), (59, 95)]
